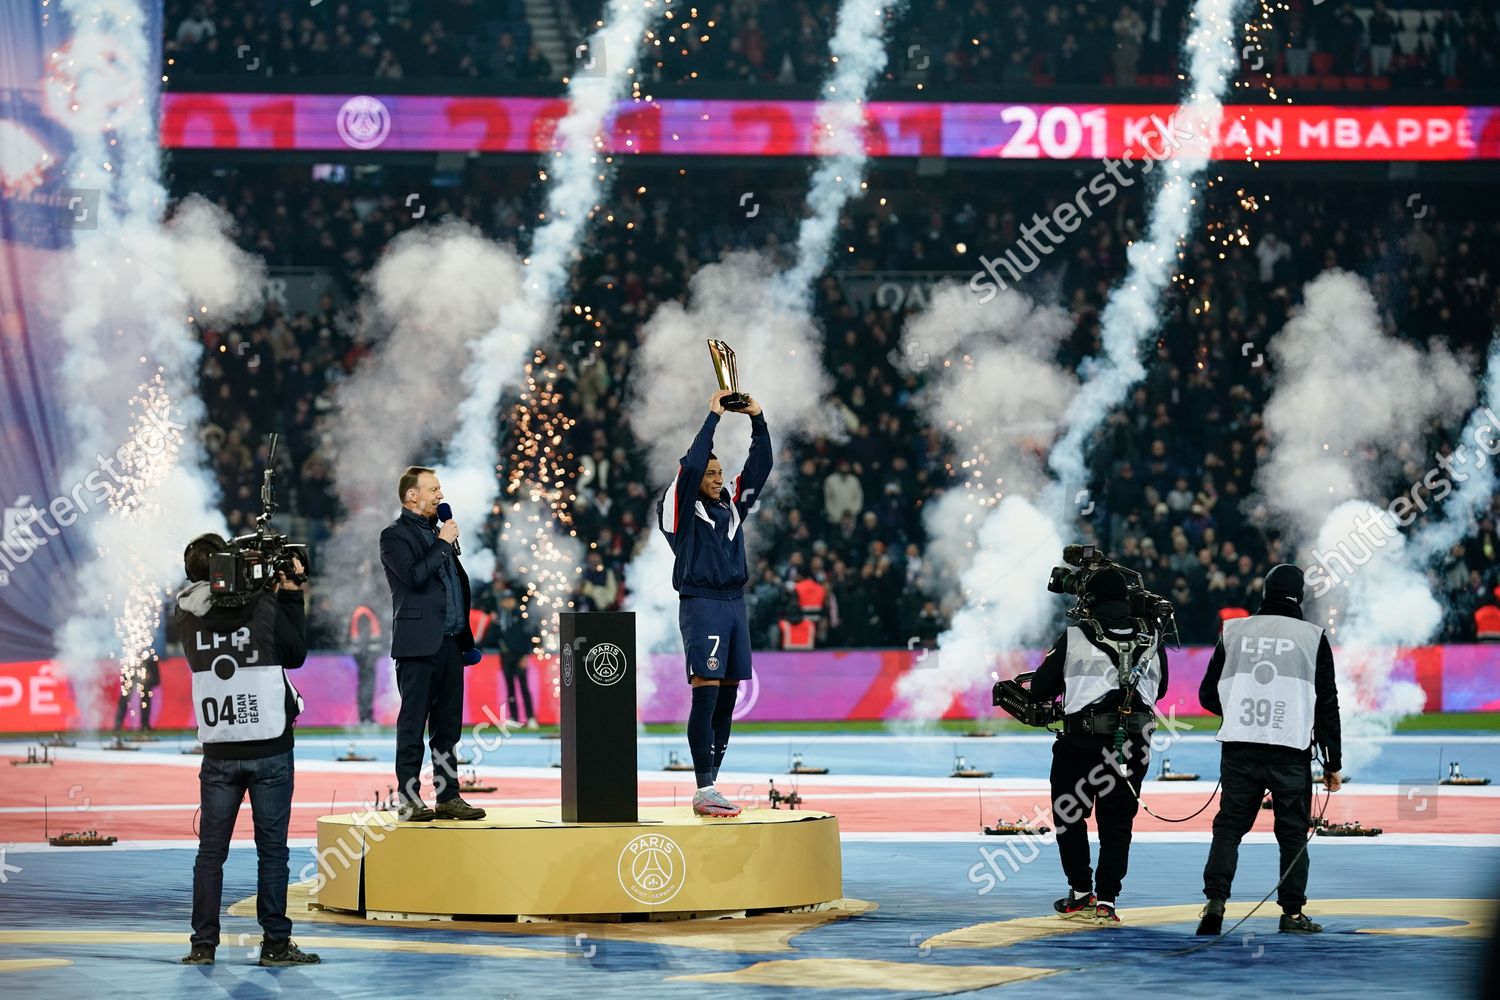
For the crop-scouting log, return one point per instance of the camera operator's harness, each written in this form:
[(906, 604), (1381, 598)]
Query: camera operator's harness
[(1132, 658)]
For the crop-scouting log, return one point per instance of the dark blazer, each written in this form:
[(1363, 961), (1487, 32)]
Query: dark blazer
[(413, 559)]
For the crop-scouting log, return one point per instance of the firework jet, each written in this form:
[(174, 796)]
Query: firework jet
[(575, 174), (137, 291), (781, 361), (785, 348), (1132, 313), (858, 52)]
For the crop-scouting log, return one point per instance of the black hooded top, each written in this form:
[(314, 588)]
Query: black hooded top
[(1326, 729)]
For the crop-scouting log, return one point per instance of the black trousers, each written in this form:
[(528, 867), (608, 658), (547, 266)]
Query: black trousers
[(513, 666), (1085, 780), (123, 705), (365, 693), (1245, 783), (432, 699)]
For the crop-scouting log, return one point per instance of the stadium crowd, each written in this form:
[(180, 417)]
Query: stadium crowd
[(1174, 479), (936, 42)]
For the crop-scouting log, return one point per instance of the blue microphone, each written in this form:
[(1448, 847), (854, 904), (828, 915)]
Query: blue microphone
[(445, 513)]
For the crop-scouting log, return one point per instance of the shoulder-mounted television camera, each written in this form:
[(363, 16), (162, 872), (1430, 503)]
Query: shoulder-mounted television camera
[(1015, 698), (1153, 614), (252, 563), (1086, 561)]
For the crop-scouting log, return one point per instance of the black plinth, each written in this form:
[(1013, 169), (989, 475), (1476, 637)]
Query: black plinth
[(597, 651)]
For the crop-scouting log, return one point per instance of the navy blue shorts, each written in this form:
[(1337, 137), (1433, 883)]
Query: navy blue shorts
[(716, 636)]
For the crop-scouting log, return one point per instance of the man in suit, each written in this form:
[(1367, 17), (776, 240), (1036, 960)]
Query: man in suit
[(431, 643)]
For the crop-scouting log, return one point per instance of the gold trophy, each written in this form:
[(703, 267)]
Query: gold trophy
[(729, 375)]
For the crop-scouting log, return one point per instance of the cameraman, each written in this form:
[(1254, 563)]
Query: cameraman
[(1083, 668), (246, 706)]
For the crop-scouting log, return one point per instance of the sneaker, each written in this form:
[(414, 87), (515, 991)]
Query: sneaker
[(708, 802), (1212, 922), (415, 812), (457, 808), (1299, 924), (1070, 906), (1104, 913), (284, 953), (531, 724), (201, 954)]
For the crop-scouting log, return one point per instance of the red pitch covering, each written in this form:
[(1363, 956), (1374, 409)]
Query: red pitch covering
[(138, 799)]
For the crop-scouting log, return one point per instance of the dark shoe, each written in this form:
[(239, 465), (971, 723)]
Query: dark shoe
[(415, 812), (1299, 924), (1213, 918), (1105, 914), (1068, 907), (201, 954), (284, 953), (457, 808)]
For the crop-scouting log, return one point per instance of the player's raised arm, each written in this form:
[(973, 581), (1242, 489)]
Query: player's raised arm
[(752, 479), (683, 493)]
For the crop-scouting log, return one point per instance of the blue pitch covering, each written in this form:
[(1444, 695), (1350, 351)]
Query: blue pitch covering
[(922, 888)]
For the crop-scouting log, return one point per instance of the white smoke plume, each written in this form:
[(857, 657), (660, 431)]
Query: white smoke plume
[(1132, 313), (780, 364), (219, 277), (998, 393), (135, 289), (1473, 469), (433, 291), (1346, 394)]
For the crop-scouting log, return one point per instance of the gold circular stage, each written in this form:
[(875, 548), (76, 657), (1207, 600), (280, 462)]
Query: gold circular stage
[(528, 864)]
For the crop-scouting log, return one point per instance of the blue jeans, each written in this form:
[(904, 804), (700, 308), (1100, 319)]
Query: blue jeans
[(222, 786)]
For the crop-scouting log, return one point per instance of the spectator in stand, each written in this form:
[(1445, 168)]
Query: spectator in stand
[(1381, 29), (1129, 31), (600, 587), (842, 493)]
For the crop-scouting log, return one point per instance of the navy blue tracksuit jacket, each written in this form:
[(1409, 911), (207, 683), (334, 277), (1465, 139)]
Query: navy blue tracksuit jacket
[(706, 536)]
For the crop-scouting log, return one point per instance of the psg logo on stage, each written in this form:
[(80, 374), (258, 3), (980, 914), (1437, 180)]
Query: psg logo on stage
[(605, 664), (363, 122), (652, 869)]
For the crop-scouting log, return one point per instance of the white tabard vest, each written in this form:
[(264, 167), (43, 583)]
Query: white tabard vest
[(1089, 674), (239, 690), (1269, 687)]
